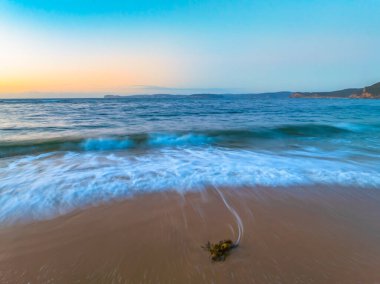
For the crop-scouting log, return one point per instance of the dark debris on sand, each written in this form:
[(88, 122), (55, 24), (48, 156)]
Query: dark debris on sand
[(220, 250)]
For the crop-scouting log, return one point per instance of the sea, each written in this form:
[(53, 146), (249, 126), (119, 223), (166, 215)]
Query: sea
[(58, 155)]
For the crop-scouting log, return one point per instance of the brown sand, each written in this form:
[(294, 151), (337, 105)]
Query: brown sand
[(291, 235)]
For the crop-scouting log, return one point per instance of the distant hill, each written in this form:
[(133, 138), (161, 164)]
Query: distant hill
[(374, 89), (370, 92), (274, 95)]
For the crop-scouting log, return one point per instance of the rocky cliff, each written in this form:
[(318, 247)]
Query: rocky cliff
[(369, 92)]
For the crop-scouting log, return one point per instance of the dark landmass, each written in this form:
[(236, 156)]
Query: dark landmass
[(369, 92), (374, 89), (203, 96)]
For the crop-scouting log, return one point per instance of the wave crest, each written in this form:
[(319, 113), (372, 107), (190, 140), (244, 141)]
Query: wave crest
[(243, 138)]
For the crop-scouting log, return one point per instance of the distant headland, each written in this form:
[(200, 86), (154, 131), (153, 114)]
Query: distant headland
[(369, 92), (203, 95)]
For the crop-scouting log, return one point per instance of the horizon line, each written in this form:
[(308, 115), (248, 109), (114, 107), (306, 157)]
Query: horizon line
[(147, 90)]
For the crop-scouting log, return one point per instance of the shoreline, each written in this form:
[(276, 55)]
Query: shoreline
[(291, 235)]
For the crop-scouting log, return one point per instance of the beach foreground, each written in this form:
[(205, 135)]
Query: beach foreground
[(291, 235)]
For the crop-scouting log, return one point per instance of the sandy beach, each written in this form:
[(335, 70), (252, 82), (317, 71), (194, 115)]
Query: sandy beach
[(291, 235)]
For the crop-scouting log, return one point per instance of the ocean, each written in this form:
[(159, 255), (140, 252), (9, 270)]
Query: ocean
[(63, 154)]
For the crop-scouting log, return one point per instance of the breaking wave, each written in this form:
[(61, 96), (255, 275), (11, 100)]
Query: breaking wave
[(50, 184), (227, 138)]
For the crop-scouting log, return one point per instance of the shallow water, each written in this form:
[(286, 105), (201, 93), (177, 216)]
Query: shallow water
[(58, 155)]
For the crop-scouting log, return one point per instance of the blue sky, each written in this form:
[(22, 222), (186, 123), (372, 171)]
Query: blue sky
[(99, 47)]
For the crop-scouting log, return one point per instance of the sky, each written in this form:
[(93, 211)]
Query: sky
[(74, 48)]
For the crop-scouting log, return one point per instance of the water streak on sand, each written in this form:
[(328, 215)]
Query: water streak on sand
[(239, 222)]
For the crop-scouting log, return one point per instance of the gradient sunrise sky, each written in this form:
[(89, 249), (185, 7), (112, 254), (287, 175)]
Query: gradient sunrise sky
[(92, 47)]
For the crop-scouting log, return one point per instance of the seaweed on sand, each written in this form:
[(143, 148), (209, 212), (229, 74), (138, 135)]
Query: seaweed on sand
[(219, 251)]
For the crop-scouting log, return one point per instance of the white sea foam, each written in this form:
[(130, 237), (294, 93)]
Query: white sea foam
[(44, 186)]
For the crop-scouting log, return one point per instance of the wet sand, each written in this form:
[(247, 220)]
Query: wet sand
[(291, 235)]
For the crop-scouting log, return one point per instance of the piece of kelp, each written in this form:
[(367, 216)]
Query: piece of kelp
[(219, 251)]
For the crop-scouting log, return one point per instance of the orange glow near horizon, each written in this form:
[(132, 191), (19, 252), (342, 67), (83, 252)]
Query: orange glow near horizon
[(36, 61), (88, 78), (84, 72)]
